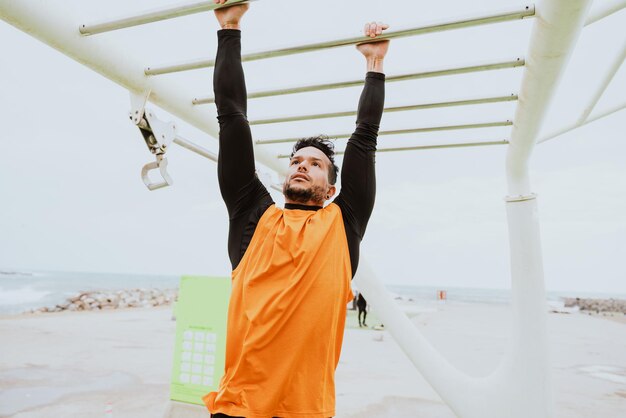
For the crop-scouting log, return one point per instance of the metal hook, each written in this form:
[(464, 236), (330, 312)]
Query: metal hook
[(161, 165), (158, 136)]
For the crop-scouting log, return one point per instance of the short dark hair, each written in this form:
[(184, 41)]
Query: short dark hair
[(322, 143)]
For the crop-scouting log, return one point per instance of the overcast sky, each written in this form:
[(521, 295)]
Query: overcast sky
[(71, 196)]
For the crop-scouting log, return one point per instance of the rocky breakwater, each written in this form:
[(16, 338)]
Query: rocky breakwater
[(597, 306), (104, 300)]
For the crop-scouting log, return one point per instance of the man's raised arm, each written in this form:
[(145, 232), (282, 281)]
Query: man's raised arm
[(358, 181), (235, 167)]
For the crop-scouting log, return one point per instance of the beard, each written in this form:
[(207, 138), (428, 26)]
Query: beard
[(301, 195)]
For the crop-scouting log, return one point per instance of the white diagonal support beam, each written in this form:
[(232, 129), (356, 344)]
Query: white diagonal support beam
[(421, 106), (49, 23), (606, 80), (607, 8), (153, 16), (518, 62), (574, 126), (501, 16)]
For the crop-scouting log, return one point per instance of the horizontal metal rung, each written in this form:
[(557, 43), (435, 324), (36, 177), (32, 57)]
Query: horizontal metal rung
[(402, 131), (427, 147), (502, 16), (153, 16), (403, 77), (422, 106)]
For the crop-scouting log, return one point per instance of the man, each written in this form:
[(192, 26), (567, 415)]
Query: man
[(361, 303), (292, 267)]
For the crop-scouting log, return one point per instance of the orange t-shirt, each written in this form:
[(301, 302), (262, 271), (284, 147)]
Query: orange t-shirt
[(286, 317)]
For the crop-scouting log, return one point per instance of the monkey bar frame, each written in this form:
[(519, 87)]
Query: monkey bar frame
[(520, 387), (467, 22)]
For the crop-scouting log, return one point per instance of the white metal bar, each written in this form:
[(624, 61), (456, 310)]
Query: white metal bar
[(606, 80), (466, 102), (607, 8), (153, 16), (400, 131), (50, 23), (427, 147), (523, 379), (435, 368), (552, 42), (518, 62), (503, 16), (577, 125), (195, 148)]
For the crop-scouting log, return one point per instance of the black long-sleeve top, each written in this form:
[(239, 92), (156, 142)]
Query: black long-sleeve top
[(245, 196)]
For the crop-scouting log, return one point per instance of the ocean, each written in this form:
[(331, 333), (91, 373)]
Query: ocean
[(22, 291)]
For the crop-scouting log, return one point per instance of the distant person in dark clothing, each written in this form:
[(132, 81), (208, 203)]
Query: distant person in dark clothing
[(361, 303)]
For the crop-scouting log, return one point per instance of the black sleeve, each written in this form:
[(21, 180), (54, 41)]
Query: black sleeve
[(358, 177), (245, 196)]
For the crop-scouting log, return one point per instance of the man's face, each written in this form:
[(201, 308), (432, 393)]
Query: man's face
[(307, 177)]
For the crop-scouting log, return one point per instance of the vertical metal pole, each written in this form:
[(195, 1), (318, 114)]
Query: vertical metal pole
[(521, 386), (554, 35)]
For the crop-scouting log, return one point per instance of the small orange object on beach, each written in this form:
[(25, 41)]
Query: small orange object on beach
[(441, 295)]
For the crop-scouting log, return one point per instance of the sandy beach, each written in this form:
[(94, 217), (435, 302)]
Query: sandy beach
[(78, 364)]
